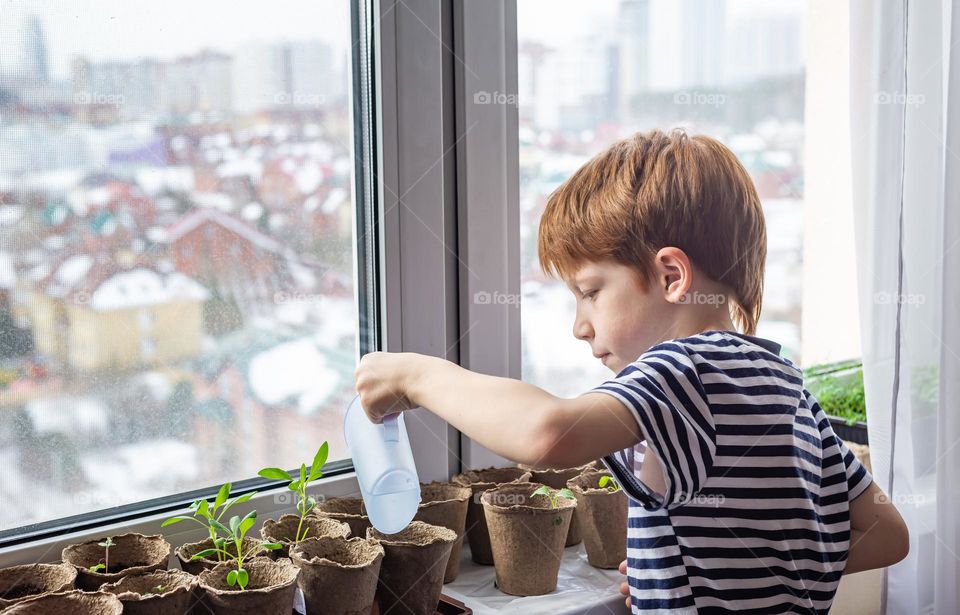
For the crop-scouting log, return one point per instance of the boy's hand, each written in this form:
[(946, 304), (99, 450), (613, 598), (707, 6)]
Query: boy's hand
[(383, 383), (624, 587)]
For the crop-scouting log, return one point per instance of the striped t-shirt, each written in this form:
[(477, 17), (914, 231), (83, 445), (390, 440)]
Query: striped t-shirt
[(755, 517)]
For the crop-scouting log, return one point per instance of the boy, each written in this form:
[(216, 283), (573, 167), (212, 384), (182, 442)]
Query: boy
[(741, 497)]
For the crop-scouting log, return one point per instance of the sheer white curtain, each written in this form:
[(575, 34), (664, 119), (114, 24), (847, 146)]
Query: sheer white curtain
[(905, 148)]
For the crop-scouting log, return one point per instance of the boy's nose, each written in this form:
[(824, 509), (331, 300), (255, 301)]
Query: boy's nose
[(582, 330)]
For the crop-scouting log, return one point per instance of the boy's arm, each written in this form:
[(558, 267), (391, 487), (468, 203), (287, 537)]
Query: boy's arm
[(878, 535), (515, 420)]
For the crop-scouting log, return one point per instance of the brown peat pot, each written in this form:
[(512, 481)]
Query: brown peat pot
[(603, 519), (480, 481), (130, 554), (338, 575), (527, 534), (445, 504)]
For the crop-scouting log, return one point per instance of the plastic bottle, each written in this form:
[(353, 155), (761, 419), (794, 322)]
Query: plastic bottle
[(385, 469)]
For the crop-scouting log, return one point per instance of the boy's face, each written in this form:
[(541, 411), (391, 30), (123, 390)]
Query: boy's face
[(615, 315)]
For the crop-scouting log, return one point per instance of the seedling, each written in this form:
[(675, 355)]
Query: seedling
[(554, 497), (235, 533), (209, 515), (608, 483), (156, 591), (305, 503), (105, 566)]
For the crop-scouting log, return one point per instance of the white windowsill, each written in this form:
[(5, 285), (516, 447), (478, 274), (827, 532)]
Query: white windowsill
[(268, 504)]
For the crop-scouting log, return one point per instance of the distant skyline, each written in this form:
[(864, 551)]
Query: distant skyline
[(123, 30)]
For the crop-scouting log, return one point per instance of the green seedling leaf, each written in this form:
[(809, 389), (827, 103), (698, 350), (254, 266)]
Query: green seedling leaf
[(243, 578), (303, 473), (272, 546), (222, 496), (240, 499), (204, 509), (219, 527), (248, 522), (234, 525), (176, 519), (319, 459), (275, 474), (96, 568), (567, 494), (205, 553), (232, 578)]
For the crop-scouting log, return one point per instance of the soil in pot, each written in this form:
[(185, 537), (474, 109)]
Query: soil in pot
[(445, 504), (348, 509), (284, 530), (18, 583), (557, 479), (162, 592), (270, 591), (185, 552), (69, 603), (130, 554), (527, 533), (603, 519), (338, 575), (411, 576), (480, 481)]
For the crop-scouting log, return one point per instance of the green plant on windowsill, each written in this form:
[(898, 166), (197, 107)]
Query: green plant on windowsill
[(105, 566), (235, 533), (838, 388), (554, 497), (156, 591), (608, 483), (209, 515), (305, 503)]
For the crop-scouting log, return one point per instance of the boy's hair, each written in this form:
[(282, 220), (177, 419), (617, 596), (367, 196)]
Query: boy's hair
[(654, 190)]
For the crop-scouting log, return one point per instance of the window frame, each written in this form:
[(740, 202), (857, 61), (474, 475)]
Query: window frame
[(436, 220)]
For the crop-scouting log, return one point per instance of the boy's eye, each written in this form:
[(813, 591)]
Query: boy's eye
[(590, 294)]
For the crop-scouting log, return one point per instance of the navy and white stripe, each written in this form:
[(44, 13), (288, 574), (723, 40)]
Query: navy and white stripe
[(755, 516)]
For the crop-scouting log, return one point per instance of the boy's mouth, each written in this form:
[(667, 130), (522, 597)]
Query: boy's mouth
[(603, 357)]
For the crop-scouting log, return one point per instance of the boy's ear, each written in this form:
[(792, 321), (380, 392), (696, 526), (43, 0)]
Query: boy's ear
[(674, 274)]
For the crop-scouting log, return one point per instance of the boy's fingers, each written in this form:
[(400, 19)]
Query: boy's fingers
[(623, 567), (624, 589)]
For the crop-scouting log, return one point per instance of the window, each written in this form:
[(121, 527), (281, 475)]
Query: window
[(173, 299), (733, 70)]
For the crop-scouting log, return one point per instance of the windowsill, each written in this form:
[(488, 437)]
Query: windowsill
[(581, 589), (268, 504)]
